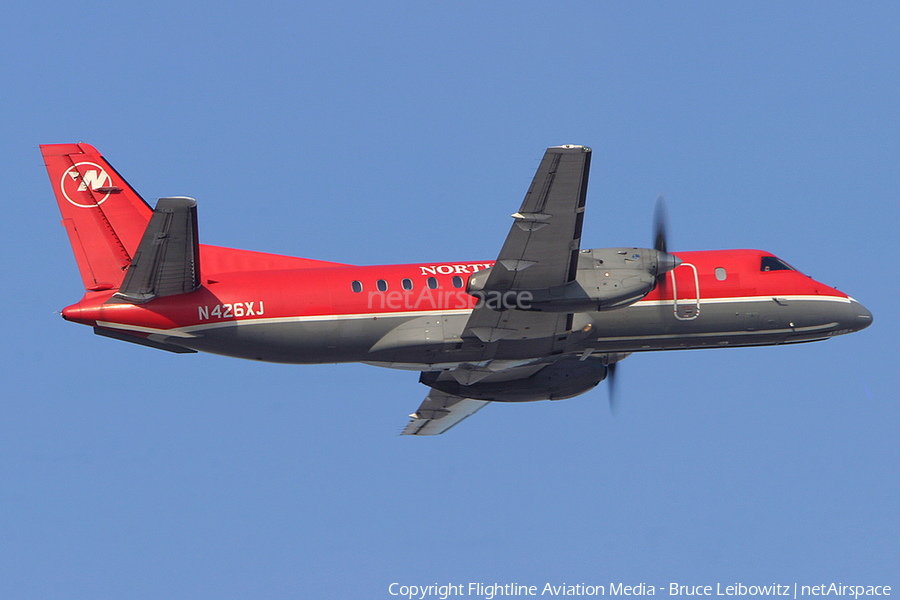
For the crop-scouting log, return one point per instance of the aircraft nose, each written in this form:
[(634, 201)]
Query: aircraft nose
[(862, 318)]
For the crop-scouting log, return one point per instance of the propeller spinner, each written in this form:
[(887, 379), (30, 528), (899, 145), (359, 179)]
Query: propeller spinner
[(667, 262)]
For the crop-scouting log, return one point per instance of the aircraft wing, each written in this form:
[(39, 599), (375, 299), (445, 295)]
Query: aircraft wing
[(439, 412), (541, 249), (540, 252), (490, 325)]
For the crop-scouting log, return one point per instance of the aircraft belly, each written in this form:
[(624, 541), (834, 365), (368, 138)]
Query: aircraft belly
[(742, 322), (423, 341), (296, 342)]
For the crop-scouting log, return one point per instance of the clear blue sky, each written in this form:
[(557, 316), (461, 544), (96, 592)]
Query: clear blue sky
[(390, 132)]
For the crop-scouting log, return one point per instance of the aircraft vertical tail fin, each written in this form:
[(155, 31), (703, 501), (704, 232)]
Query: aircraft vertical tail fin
[(104, 217)]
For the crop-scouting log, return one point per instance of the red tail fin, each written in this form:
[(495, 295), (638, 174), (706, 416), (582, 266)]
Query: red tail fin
[(104, 217)]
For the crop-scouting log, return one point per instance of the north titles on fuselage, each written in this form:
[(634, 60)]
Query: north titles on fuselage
[(430, 294), (454, 269)]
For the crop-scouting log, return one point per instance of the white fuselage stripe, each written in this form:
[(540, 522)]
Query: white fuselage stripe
[(192, 330), (743, 299)]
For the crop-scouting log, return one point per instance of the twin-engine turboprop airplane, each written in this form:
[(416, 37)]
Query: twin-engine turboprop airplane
[(546, 320)]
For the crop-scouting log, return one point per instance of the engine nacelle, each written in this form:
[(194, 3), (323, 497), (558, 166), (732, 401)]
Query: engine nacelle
[(606, 279), (565, 378)]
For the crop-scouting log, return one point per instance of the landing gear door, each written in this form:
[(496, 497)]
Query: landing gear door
[(686, 291)]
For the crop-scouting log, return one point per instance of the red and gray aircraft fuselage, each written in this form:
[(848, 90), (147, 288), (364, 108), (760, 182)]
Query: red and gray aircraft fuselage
[(545, 320)]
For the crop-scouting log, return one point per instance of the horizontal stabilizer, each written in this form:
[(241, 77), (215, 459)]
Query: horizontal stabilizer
[(167, 261), (134, 339)]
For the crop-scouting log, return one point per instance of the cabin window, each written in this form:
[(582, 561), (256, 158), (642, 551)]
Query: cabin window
[(381, 284), (356, 286), (457, 281), (432, 283), (407, 284), (770, 263), (721, 274)]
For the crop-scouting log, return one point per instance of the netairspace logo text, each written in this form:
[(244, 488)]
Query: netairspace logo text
[(490, 591)]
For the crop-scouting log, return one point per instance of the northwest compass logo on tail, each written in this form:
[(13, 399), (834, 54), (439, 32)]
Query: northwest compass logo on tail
[(86, 184)]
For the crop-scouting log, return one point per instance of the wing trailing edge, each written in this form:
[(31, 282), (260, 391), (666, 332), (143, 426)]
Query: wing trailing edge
[(439, 412)]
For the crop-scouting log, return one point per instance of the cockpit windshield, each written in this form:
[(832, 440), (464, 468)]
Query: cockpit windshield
[(770, 263)]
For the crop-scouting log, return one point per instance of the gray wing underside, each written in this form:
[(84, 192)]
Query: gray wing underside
[(439, 412), (541, 249), (540, 252), (167, 261), (494, 326)]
